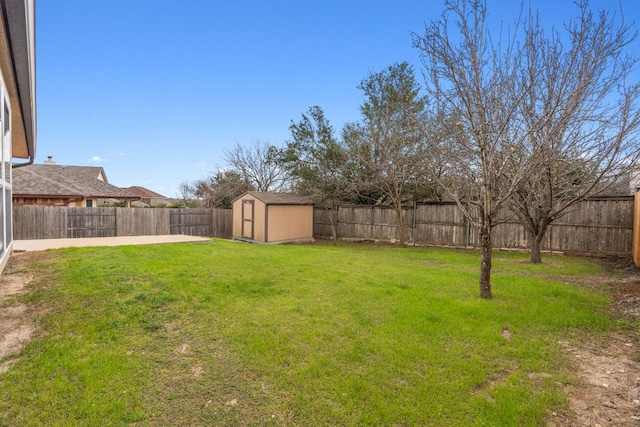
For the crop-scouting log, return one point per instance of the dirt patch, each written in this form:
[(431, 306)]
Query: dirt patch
[(17, 325), (608, 393), (13, 284)]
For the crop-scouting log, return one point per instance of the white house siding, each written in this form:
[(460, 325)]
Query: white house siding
[(6, 219), (17, 104)]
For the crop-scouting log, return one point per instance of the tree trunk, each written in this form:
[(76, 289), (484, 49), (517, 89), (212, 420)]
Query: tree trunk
[(536, 246), (485, 262), (334, 232), (536, 241)]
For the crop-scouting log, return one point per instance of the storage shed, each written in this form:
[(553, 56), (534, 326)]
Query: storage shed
[(272, 218)]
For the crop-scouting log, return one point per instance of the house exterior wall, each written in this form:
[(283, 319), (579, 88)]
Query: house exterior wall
[(289, 222), (154, 201), (85, 203), (17, 65), (17, 105), (6, 217), (67, 202), (42, 201)]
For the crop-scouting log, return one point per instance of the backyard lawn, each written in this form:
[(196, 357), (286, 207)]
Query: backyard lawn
[(228, 333)]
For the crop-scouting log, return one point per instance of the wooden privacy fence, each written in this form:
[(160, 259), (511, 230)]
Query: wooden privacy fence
[(636, 230), (48, 222), (598, 226)]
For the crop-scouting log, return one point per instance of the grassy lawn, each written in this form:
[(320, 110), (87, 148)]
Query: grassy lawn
[(228, 333)]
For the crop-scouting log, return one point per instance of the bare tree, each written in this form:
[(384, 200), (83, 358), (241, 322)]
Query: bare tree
[(389, 143), (258, 165), (185, 192), (582, 115), (219, 189), (471, 79)]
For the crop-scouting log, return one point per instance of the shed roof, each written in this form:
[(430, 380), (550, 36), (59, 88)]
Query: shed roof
[(269, 198), (58, 180)]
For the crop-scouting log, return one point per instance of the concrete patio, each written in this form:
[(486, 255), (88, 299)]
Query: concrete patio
[(44, 244)]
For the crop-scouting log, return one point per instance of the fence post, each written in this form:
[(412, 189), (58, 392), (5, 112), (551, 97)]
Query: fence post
[(371, 224), (467, 224), (413, 223), (636, 229), (336, 221), (213, 223)]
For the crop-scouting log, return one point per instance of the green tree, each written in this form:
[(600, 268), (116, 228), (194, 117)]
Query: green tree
[(389, 145), (315, 160)]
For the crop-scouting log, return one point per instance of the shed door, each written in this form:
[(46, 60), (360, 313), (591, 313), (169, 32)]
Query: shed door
[(247, 219)]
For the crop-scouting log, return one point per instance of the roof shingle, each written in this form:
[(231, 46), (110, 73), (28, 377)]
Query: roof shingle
[(145, 192), (59, 180), (280, 198)]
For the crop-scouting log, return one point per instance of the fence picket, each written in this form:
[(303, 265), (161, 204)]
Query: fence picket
[(48, 222), (598, 226)]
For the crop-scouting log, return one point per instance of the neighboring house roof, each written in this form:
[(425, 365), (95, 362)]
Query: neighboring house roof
[(17, 62), (279, 198), (145, 192), (65, 181)]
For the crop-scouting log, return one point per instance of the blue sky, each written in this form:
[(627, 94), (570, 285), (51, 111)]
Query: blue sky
[(155, 90)]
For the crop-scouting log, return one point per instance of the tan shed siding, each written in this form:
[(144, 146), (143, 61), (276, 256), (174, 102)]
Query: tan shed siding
[(289, 222), (259, 224), (237, 218), (258, 218)]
